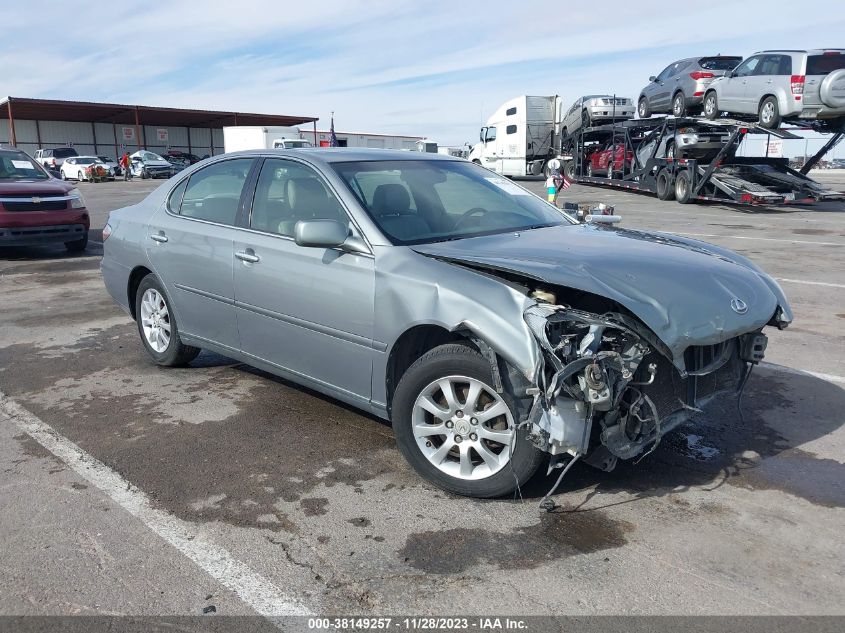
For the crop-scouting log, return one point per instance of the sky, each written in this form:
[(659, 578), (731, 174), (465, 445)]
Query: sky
[(435, 69)]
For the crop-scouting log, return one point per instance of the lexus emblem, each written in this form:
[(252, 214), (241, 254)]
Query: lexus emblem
[(739, 306), (36, 200)]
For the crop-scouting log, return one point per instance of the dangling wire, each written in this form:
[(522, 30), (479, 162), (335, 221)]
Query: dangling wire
[(546, 503)]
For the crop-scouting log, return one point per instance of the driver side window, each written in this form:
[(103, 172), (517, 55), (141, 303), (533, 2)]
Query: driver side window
[(667, 72), (747, 67)]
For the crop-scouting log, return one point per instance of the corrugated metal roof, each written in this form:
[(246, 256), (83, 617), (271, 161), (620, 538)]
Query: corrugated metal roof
[(85, 111)]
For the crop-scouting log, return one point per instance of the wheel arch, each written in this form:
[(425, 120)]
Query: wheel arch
[(135, 277), (414, 343)]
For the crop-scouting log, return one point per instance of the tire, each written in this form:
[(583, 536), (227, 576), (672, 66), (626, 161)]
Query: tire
[(460, 366), (644, 108), (670, 150), (768, 114), (679, 105), (665, 190), (711, 106), (683, 187), (62, 175), (174, 353), (569, 169), (589, 169), (585, 119), (144, 174), (78, 246), (80, 177)]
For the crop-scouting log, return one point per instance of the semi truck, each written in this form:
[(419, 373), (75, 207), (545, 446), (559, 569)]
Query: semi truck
[(520, 137), (241, 137)]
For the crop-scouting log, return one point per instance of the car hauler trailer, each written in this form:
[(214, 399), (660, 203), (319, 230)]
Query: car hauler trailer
[(724, 177), (519, 138)]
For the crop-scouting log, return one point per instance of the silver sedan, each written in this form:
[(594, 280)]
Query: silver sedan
[(489, 327)]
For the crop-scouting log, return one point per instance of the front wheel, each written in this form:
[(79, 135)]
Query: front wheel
[(585, 119), (769, 114), (643, 108), (157, 325), (144, 174), (456, 430), (711, 106)]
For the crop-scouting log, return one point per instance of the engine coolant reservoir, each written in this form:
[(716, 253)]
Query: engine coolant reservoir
[(543, 295)]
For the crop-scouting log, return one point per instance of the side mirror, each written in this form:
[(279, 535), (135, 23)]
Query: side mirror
[(652, 78), (320, 233)]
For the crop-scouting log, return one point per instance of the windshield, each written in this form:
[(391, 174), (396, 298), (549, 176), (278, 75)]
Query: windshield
[(86, 160), (105, 159), (64, 152), (420, 201), (19, 166)]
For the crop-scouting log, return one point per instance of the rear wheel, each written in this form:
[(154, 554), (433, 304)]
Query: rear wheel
[(456, 430), (643, 108), (683, 187), (769, 113), (157, 325), (711, 106), (664, 186), (679, 105)]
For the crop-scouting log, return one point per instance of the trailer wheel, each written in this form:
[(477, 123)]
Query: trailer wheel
[(570, 169), (683, 188), (665, 191)]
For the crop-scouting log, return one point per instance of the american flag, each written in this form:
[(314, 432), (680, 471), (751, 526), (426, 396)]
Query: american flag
[(332, 135), (565, 184)]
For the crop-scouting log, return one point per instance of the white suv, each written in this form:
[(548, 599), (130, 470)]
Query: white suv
[(777, 85)]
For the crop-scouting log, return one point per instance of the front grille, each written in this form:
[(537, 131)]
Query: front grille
[(44, 205), (670, 392)]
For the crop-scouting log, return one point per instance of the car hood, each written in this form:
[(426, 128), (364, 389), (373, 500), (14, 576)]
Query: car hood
[(51, 187), (681, 289)]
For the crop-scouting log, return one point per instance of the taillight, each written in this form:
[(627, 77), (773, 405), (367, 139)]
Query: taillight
[(796, 82), (106, 231), (700, 75)]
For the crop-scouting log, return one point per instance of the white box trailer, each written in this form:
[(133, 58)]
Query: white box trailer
[(364, 139), (519, 137), (241, 137)]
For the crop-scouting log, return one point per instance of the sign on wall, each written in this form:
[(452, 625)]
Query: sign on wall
[(128, 133), (775, 148), (161, 134)]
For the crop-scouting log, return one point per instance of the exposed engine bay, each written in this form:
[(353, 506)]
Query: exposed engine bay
[(606, 387)]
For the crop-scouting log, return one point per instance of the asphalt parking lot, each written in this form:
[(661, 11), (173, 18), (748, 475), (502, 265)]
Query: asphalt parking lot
[(168, 491)]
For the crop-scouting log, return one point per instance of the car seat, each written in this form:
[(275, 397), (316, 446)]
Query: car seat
[(392, 209)]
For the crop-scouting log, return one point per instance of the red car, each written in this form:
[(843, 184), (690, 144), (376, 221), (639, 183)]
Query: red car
[(599, 162), (36, 208)]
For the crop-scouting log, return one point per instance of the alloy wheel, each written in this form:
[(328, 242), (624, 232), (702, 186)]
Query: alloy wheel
[(155, 320), (463, 427)]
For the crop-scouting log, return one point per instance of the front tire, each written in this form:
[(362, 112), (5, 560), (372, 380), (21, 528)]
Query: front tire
[(585, 119), (679, 105), (643, 108), (157, 325), (769, 113), (711, 106), (665, 191), (456, 430), (77, 246)]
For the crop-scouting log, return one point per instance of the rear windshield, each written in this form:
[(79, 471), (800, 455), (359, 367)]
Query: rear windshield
[(64, 152), (719, 63), (86, 160), (824, 64), (19, 166)]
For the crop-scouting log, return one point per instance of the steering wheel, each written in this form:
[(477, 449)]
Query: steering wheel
[(479, 211)]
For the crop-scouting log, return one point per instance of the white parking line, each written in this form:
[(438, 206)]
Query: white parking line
[(810, 283), (799, 372), (761, 239), (255, 590)]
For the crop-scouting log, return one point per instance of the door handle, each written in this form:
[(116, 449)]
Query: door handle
[(158, 237), (247, 256)]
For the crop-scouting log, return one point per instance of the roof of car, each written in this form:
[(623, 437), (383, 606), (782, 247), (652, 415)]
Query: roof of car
[(811, 51), (350, 154)]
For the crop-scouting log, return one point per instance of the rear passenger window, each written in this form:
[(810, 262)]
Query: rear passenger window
[(288, 192), (174, 201), (213, 193)]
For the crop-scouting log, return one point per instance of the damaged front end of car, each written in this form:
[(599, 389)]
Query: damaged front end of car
[(606, 388)]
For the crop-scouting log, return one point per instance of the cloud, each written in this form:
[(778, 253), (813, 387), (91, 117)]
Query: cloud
[(435, 68)]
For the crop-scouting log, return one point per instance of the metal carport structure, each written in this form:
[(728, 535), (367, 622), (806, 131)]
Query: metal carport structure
[(110, 128)]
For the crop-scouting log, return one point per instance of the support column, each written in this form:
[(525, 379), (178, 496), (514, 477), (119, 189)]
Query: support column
[(12, 137), (190, 151), (138, 129), (38, 133), (94, 137), (315, 133), (117, 153)]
